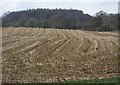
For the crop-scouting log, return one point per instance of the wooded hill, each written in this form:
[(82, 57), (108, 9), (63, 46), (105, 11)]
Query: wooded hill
[(61, 18)]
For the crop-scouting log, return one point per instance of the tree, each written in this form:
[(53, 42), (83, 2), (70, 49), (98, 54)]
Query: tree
[(31, 22), (100, 13)]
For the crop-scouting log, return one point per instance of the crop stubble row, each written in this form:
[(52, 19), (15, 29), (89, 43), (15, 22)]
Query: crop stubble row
[(53, 55)]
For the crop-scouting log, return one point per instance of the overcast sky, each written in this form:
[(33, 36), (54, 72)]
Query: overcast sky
[(87, 6)]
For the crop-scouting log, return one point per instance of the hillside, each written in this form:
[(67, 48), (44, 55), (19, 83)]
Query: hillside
[(56, 55), (61, 18)]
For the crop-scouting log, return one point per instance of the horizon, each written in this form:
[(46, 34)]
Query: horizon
[(57, 9), (88, 7)]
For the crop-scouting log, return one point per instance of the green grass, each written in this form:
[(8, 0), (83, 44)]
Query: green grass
[(104, 80)]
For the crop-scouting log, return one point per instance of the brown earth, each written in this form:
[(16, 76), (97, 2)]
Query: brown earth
[(55, 55)]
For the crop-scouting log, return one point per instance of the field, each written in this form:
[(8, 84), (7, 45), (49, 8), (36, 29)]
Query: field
[(56, 55)]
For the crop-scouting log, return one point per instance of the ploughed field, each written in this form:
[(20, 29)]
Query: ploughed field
[(56, 55)]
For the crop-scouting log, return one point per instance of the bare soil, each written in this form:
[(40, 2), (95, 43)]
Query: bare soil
[(55, 55)]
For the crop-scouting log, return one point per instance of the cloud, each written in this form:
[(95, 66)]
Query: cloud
[(7, 5), (4, 1)]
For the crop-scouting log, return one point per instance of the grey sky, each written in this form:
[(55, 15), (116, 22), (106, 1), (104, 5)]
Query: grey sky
[(87, 6)]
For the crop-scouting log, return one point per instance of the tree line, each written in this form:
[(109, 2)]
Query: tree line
[(62, 19)]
